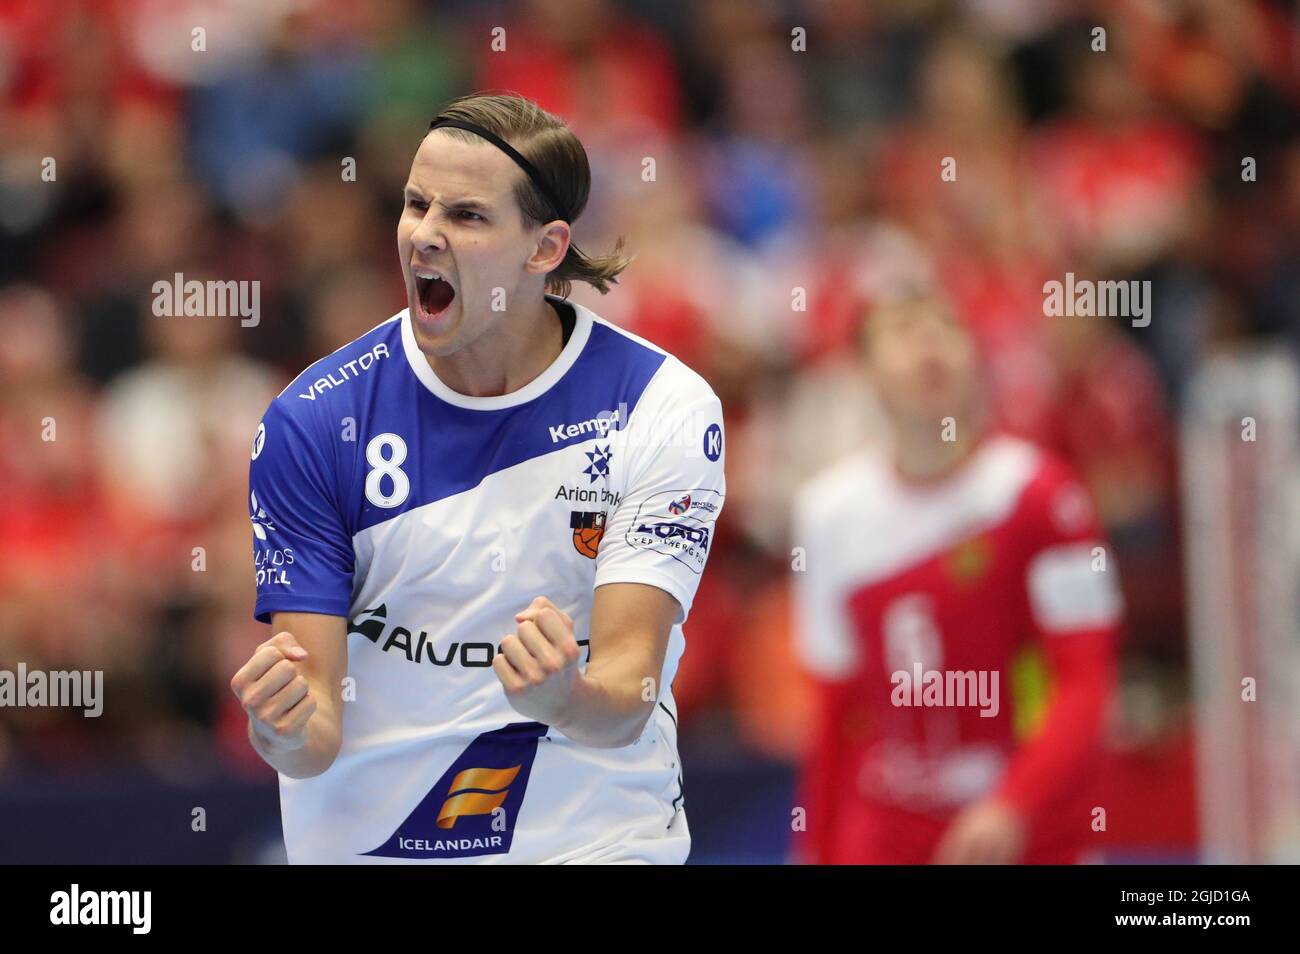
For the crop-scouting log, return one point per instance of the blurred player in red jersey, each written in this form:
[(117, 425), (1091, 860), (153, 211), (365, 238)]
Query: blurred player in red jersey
[(930, 566)]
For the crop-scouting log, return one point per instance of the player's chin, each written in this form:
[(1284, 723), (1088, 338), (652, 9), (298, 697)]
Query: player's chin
[(917, 417), (435, 333), (931, 404)]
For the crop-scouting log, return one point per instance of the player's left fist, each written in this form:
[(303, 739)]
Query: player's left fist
[(985, 833), (538, 663)]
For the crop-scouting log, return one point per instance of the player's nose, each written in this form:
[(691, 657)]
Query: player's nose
[(429, 234)]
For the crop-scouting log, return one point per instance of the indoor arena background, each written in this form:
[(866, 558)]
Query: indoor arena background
[(776, 167)]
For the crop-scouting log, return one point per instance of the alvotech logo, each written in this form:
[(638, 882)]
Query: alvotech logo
[(474, 806), (375, 625)]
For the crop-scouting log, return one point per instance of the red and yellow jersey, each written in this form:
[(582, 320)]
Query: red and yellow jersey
[(916, 605)]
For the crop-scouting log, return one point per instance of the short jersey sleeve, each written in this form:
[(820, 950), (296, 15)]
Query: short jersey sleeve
[(302, 552), (662, 529), (1070, 578)]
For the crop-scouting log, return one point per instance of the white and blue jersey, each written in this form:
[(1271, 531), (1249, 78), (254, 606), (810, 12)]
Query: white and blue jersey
[(428, 518)]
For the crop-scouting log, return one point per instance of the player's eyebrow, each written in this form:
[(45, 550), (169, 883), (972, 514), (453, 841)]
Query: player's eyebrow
[(470, 203)]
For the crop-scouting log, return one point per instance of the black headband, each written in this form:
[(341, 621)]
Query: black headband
[(556, 205)]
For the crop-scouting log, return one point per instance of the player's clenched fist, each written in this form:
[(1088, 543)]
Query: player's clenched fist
[(538, 663), (274, 693)]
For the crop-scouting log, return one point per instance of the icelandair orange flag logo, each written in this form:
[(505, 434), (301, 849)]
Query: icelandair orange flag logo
[(477, 791), (472, 808)]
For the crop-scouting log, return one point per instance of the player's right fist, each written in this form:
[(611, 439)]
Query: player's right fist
[(274, 692)]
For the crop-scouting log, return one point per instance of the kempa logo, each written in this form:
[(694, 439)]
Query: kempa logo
[(103, 907), (1086, 299), (600, 425), (695, 429), (211, 299), (952, 688), (57, 690)]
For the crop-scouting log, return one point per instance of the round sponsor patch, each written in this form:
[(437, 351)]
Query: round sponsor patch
[(259, 440), (713, 442)]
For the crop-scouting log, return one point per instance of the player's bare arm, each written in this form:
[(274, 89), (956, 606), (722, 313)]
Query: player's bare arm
[(608, 705), (291, 689)]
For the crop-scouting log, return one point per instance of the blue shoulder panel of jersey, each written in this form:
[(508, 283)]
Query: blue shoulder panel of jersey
[(302, 545), (331, 380), (370, 387)]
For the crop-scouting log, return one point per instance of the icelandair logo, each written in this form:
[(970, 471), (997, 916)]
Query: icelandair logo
[(600, 425), (476, 791), (474, 807)]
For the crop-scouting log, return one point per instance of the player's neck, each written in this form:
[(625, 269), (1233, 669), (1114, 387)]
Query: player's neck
[(924, 456), (520, 349)]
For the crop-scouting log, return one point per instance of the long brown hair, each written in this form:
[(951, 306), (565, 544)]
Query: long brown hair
[(544, 140)]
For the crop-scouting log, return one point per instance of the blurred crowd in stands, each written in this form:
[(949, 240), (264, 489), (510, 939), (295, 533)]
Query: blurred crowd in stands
[(788, 185)]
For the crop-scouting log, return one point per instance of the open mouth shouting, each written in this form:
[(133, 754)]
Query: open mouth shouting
[(433, 294)]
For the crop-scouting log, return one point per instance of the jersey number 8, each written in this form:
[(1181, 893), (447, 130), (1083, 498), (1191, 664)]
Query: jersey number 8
[(385, 454)]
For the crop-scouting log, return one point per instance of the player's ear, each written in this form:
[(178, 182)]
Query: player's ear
[(552, 246)]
